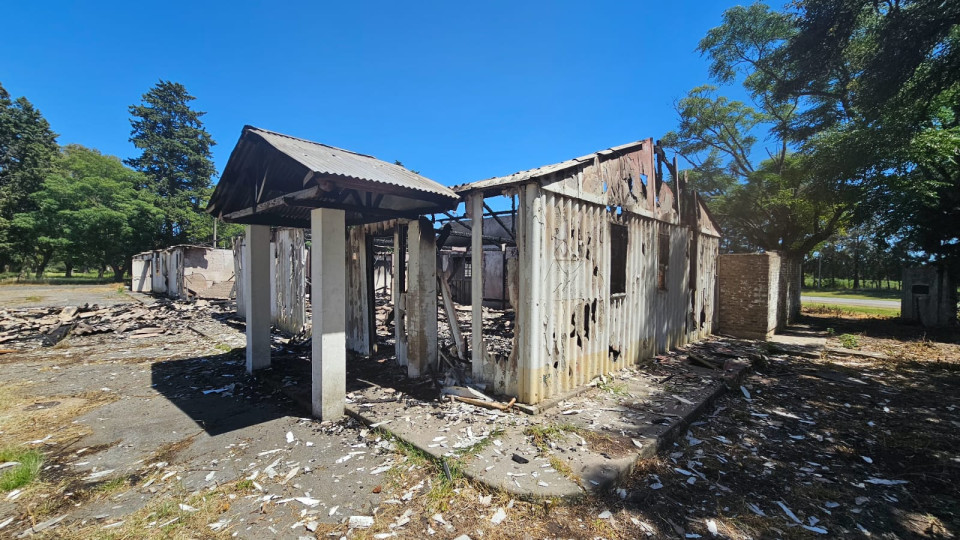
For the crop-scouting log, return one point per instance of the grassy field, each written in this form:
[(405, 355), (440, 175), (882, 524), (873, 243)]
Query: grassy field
[(56, 278), (847, 311), (860, 294)]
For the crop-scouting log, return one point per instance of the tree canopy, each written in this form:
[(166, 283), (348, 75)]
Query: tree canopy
[(175, 160), (92, 210), (28, 149)]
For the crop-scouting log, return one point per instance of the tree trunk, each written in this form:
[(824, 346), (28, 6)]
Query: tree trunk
[(103, 268), (42, 265), (118, 272), (68, 270)]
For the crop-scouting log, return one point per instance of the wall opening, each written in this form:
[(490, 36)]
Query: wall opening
[(663, 260), (618, 259)]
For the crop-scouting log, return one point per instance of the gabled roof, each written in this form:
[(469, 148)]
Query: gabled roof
[(275, 179)]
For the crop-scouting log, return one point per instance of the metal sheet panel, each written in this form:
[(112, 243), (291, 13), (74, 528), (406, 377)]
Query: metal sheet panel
[(325, 159)]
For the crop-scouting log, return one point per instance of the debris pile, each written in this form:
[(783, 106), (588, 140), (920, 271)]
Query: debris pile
[(49, 326)]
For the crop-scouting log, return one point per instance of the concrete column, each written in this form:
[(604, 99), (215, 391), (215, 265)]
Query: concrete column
[(422, 298), (256, 294), (475, 212), (329, 359)]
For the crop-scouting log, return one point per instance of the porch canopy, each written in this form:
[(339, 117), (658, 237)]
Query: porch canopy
[(275, 179)]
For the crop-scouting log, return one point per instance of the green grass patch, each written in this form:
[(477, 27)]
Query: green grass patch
[(840, 311), (20, 475), (849, 341), (854, 294), (542, 435), (479, 446)]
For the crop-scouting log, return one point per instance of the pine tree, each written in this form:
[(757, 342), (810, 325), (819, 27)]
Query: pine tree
[(28, 152), (176, 159)]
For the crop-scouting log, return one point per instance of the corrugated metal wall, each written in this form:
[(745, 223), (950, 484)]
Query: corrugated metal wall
[(569, 327), (357, 317), (291, 255)]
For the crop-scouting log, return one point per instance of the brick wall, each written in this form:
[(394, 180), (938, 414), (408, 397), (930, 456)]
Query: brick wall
[(748, 291)]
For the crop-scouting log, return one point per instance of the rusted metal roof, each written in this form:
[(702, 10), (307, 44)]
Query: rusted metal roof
[(500, 182), (325, 159), (276, 179)]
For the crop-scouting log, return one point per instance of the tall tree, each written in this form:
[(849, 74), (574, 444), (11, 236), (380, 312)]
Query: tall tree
[(780, 202), (28, 149), (176, 160), (883, 81)]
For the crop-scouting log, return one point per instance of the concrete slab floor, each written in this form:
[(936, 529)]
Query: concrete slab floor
[(148, 435)]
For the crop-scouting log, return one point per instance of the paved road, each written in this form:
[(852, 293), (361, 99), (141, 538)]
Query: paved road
[(850, 301)]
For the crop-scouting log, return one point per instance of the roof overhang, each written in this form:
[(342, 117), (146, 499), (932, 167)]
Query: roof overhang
[(275, 179)]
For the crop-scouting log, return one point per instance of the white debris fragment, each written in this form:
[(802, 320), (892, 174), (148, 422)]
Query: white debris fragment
[(498, 516), (332, 510), (382, 469), (187, 508), (683, 471), (656, 485), (227, 388), (9, 464), (831, 504), (637, 443), (6, 522), (360, 522), (307, 501), (867, 459), (789, 513), (884, 482), (756, 509), (290, 437), (98, 475), (572, 411), (293, 472), (606, 514), (712, 526), (217, 525), (746, 393), (682, 400), (210, 476)]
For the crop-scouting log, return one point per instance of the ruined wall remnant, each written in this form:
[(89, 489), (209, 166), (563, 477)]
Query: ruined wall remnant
[(613, 266), (788, 294), (749, 285), (288, 276), (929, 296), (185, 271)]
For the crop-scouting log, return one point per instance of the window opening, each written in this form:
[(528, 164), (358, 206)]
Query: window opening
[(618, 259), (663, 260)]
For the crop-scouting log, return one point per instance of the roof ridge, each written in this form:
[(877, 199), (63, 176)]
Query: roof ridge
[(278, 134)]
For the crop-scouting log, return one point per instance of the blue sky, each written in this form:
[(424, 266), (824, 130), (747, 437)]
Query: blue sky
[(458, 91)]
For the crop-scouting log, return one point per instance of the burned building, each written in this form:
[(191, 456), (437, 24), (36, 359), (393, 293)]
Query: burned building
[(614, 264), (594, 263), (185, 271)]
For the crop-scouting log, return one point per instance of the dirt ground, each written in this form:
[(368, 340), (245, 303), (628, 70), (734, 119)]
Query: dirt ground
[(167, 437)]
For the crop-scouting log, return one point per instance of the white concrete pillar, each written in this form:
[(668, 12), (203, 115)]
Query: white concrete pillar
[(256, 294), (475, 212), (421, 298), (329, 359)]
